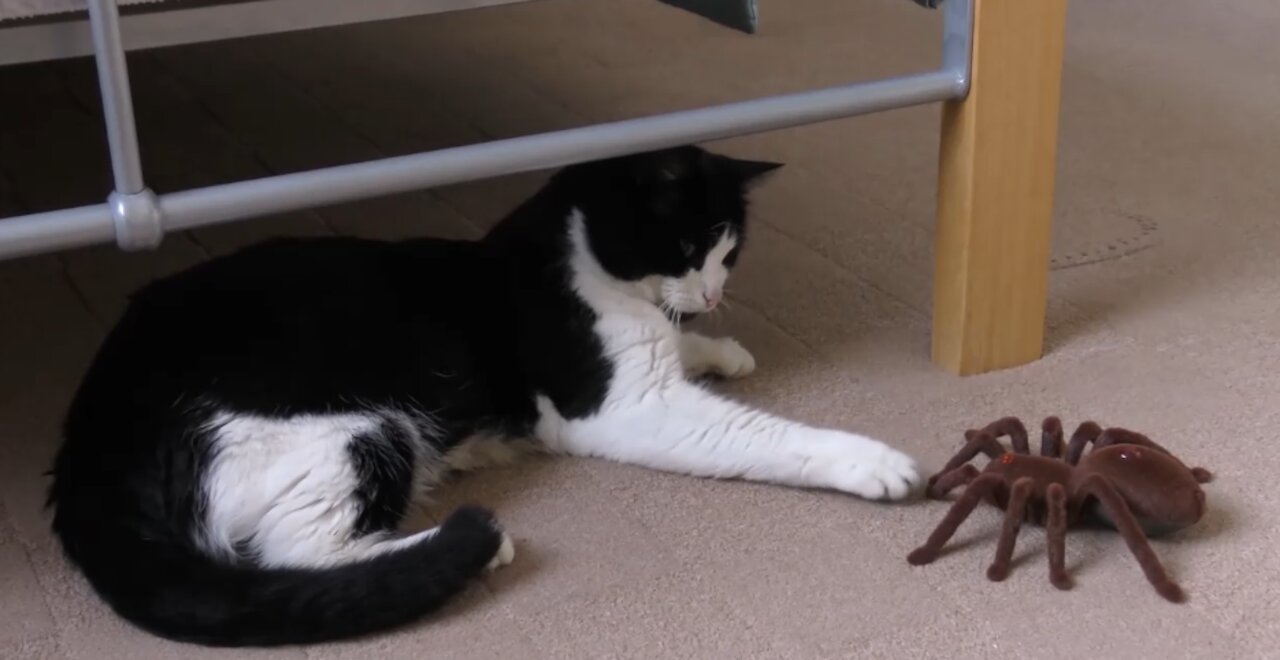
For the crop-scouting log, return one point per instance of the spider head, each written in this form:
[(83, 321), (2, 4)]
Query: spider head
[(1163, 493)]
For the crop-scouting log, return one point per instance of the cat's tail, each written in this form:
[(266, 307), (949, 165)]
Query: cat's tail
[(183, 595)]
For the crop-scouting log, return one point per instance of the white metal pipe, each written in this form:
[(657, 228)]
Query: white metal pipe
[(117, 101), (64, 228), (957, 42), (289, 192)]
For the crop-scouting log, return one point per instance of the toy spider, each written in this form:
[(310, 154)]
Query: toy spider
[(1126, 481)]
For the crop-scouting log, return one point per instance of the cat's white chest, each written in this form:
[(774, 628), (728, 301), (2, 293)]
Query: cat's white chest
[(644, 358), (639, 342), (644, 352)]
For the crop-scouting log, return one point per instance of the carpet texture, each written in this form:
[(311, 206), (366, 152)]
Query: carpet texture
[(1165, 304)]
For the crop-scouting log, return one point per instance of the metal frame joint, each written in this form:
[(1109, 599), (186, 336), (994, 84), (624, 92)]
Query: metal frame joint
[(137, 220)]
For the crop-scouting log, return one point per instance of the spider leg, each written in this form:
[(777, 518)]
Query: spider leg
[(967, 502), (1119, 436), (1056, 533), (1013, 516), (1012, 427), (976, 442), (1051, 437), (1098, 486), (1085, 434), (949, 481)]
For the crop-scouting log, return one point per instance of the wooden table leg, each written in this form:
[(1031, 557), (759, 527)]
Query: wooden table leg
[(995, 192)]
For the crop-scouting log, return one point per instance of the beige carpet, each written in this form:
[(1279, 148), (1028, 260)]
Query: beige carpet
[(1165, 308)]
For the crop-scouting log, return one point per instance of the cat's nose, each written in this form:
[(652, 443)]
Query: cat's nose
[(712, 299)]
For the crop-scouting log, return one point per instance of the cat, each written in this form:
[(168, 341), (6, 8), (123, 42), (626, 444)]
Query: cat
[(250, 434)]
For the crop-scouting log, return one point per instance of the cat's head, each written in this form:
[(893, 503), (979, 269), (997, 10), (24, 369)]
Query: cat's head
[(673, 220)]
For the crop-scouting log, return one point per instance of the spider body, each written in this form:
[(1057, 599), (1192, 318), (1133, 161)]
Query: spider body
[(1126, 481)]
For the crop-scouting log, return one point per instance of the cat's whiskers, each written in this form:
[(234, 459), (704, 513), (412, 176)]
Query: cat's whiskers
[(668, 310)]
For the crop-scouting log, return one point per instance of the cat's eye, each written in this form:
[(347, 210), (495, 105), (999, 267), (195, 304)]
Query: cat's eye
[(687, 248)]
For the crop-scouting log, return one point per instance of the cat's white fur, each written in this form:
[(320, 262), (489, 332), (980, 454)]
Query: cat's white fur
[(655, 417), (285, 488)]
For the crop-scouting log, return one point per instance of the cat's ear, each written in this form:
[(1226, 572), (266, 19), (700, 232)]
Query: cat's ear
[(751, 172)]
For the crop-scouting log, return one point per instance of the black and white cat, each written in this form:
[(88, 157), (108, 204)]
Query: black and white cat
[(245, 443)]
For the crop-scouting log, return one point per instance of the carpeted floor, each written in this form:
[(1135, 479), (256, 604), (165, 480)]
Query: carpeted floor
[(1165, 305)]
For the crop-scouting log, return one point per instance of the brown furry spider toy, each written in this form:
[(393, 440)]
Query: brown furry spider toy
[(1126, 482)]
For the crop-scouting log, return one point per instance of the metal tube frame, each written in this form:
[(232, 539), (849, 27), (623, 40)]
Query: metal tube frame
[(135, 218)]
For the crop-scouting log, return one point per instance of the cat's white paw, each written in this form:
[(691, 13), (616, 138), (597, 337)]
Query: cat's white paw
[(733, 361), (505, 555), (729, 359), (872, 470)]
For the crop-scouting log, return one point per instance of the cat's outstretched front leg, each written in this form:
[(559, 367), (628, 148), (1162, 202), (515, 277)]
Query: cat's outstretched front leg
[(684, 428), (722, 356)]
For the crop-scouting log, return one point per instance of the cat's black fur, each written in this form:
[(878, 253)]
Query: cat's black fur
[(463, 332)]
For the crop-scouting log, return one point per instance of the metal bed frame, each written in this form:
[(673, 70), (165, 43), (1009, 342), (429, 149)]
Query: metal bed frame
[(135, 218)]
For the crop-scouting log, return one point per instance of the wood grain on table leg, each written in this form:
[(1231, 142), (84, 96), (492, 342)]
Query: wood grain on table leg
[(995, 191)]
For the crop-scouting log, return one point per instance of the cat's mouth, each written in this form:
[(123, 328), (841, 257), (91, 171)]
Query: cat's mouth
[(687, 306), (680, 296)]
